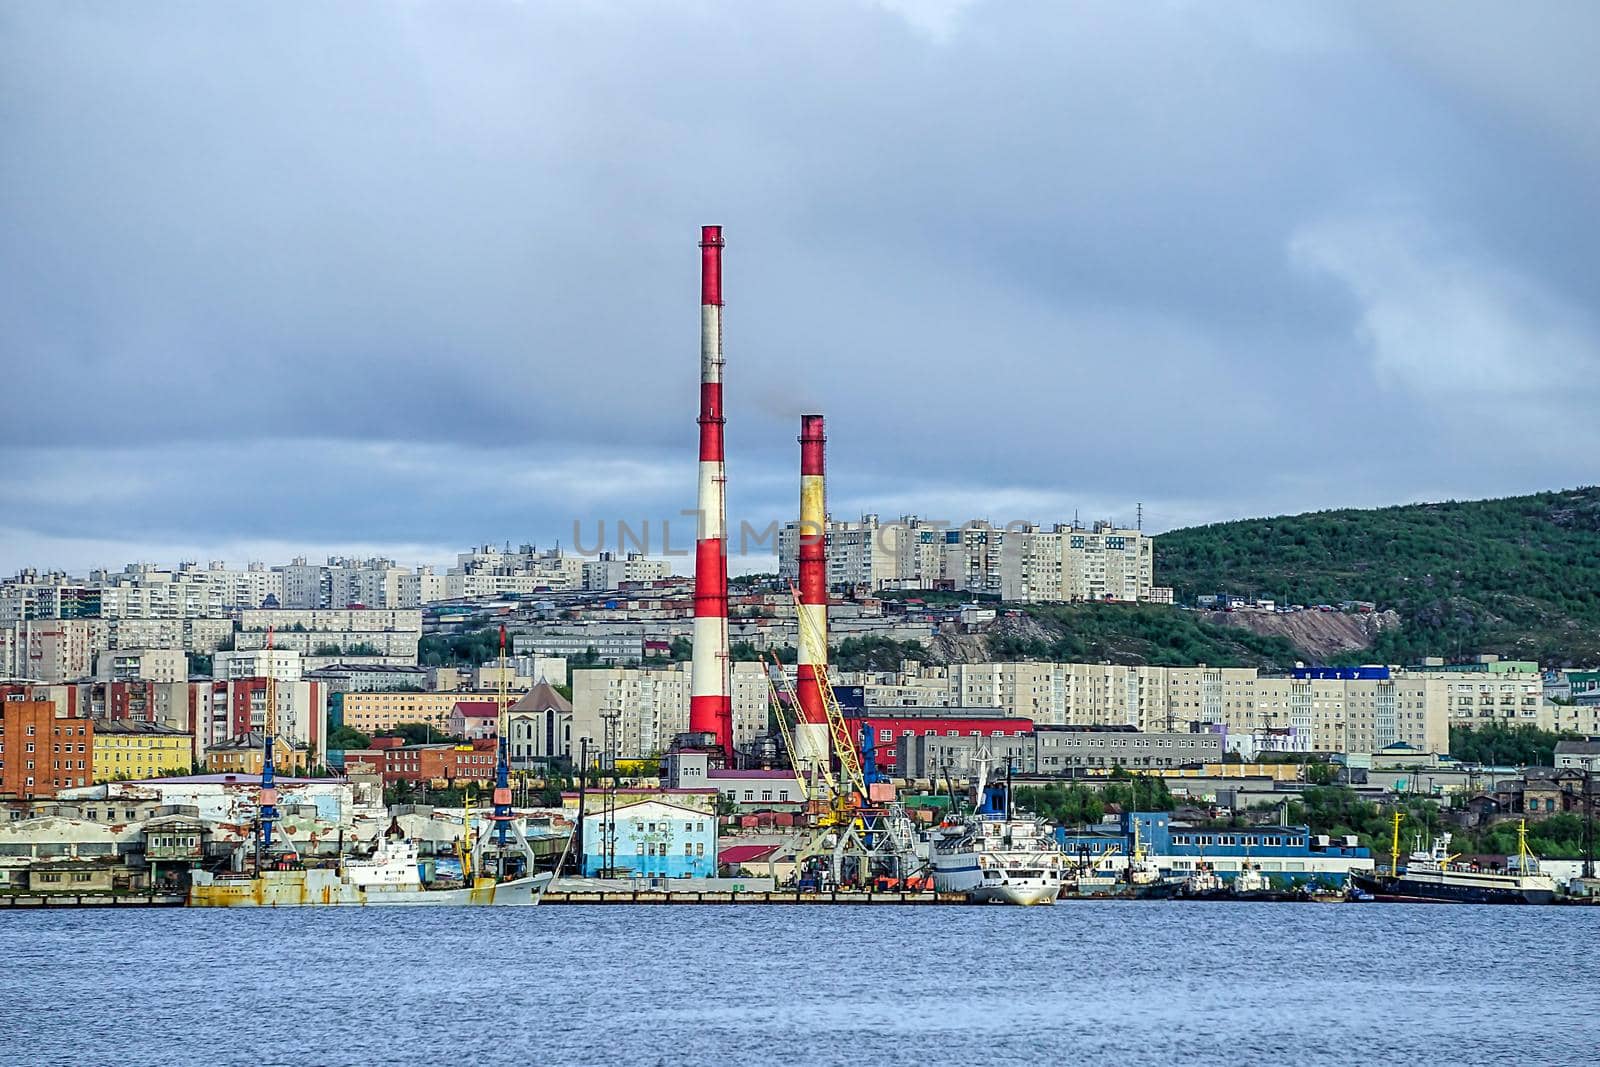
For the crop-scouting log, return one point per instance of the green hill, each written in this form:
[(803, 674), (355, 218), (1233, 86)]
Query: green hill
[(1519, 576)]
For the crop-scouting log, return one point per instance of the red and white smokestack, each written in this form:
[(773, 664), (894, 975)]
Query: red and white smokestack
[(710, 695), (811, 672)]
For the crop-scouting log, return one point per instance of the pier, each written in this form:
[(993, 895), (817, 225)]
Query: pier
[(657, 896), (91, 900)]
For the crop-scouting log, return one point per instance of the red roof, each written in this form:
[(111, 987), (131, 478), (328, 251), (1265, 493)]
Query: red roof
[(745, 853), (478, 709)]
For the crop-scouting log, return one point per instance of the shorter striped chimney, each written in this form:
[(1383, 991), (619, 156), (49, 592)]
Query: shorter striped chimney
[(811, 674)]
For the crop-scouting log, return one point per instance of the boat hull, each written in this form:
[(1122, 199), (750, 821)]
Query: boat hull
[(1405, 890), (324, 888), (1024, 895), (993, 886)]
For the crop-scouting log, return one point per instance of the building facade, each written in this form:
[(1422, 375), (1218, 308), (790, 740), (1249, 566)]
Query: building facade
[(1020, 562), (43, 751), (127, 749), (652, 839)]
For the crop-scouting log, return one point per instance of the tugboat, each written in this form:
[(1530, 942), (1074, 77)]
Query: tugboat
[(1431, 877), (1203, 883)]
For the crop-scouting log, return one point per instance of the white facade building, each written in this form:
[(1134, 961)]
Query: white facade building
[(144, 664)]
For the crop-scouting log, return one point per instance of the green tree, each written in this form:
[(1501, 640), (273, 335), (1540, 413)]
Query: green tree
[(347, 737), (417, 733), (1505, 745)]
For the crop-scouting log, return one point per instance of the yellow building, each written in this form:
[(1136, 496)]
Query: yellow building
[(125, 749), (242, 755), (374, 712)]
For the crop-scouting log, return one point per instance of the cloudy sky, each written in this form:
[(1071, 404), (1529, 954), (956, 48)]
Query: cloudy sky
[(402, 277)]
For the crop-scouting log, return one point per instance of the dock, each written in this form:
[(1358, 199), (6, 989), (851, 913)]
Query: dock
[(92, 900), (657, 896)]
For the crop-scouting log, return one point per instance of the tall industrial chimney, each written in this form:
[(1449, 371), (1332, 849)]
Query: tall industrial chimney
[(811, 672), (710, 700)]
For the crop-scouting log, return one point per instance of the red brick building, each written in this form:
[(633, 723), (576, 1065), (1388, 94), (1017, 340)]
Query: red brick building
[(41, 751), (397, 761)]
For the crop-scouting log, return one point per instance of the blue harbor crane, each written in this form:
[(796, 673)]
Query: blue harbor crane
[(267, 802), (502, 815)]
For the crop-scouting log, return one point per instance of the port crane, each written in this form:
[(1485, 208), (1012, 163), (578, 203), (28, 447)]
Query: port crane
[(509, 855), (267, 819), (865, 834)]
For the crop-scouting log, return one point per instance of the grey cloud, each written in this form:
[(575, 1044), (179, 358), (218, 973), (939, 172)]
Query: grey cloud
[(368, 272)]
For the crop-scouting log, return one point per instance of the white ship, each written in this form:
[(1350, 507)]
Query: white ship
[(995, 858), (393, 876)]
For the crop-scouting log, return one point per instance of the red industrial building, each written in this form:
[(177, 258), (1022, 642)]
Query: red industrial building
[(889, 725)]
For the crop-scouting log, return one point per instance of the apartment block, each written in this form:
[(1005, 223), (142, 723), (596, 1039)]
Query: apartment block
[(128, 749), (611, 571), (42, 750), (1021, 561), (652, 706), (282, 664), (490, 571), (143, 664), (53, 650), (375, 711)]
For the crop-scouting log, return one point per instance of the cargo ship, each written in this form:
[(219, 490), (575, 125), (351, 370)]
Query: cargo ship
[(1430, 877)]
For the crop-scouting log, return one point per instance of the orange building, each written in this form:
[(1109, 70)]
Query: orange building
[(42, 751)]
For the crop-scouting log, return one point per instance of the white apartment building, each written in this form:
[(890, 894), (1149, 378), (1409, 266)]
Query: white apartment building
[(343, 620), (653, 706), (247, 588), (1021, 562), (420, 587), (1315, 710), (143, 664), (342, 582), (608, 571), (490, 571), (200, 636), (1066, 563), (284, 664), (52, 650)]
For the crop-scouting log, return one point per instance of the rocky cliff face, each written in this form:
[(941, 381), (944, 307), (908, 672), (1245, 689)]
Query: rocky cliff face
[(1318, 633)]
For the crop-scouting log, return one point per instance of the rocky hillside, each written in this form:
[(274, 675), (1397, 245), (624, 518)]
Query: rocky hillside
[(1321, 635), (1518, 576), (1114, 633)]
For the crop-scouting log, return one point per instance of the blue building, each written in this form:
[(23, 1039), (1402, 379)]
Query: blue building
[(1286, 854), (652, 839)]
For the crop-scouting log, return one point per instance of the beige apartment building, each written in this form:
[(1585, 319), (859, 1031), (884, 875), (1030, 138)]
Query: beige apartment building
[(1020, 561), (1312, 710), (652, 706), (372, 712)]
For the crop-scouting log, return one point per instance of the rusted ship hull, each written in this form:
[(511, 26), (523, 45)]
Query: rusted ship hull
[(321, 888)]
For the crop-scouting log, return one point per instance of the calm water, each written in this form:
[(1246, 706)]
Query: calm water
[(1108, 983)]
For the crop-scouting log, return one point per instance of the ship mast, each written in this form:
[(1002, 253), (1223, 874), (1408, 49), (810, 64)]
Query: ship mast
[(1394, 847)]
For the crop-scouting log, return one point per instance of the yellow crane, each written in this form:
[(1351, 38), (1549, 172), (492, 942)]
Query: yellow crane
[(844, 746)]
